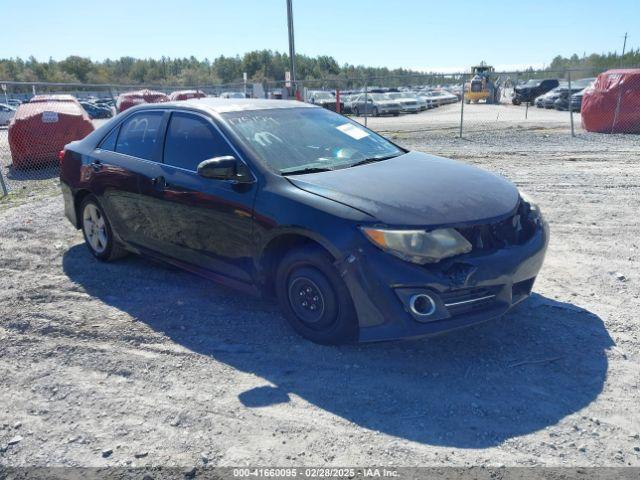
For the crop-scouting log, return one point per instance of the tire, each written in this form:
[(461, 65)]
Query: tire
[(97, 231), (356, 112), (314, 299)]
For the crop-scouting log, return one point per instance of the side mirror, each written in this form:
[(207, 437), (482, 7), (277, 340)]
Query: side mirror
[(219, 168)]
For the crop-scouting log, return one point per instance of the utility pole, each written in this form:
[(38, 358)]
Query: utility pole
[(624, 47), (292, 47)]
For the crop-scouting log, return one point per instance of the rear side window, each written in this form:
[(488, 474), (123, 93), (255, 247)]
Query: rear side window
[(190, 140), (139, 135), (109, 142)]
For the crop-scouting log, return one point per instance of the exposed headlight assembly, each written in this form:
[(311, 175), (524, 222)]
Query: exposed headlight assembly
[(419, 246), (533, 206)]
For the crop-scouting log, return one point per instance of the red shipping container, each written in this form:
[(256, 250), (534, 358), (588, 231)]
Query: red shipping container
[(613, 104), (130, 99), (41, 128), (186, 95)]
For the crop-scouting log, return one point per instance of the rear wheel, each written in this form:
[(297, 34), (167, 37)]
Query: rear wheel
[(98, 234), (314, 299)]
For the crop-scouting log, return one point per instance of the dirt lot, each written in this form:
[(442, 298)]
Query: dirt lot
[(135, 363)]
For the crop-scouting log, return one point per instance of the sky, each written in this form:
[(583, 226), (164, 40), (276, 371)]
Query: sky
[(418, 34)]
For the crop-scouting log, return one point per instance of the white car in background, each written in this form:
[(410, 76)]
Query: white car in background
[(442, 97), (6, 113), (408, 103), (233, 95), (425, 100)]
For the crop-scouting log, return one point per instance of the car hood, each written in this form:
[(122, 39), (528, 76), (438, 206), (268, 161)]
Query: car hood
[(416, 189)]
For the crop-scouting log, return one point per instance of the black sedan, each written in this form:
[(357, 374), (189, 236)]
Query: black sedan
[(357, 238), (96, 111)]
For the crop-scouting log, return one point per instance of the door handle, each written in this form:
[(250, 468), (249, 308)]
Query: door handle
[(159, 182), (96, 165)]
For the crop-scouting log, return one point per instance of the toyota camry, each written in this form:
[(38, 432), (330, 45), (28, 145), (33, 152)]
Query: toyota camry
[(357, 238)]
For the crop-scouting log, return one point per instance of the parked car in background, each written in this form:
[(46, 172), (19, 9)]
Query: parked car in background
[(130, 99), (576, 100), (324, 99), (442, 97), (563, 100), (347, 102), (96, 111), (7, 112), (375, 104), (538, 102), (232, 95), (422, 102), (408, 103), (186, 95), (428, 101), (529, 91), (357, 238), (549, 99)]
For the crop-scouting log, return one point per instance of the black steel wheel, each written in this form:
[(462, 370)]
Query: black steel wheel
[(314, 299)]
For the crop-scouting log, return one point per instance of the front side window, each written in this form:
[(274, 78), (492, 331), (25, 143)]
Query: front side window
[(295, 140), (139, 135), (190, 140)]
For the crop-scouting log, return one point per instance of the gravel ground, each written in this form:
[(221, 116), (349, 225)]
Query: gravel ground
[(136, 363)]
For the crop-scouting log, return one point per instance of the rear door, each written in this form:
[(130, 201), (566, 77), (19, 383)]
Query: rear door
[(201, 221), (115, 167)]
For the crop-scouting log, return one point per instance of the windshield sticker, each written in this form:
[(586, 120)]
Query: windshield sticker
[(353, 131), (49, 117)]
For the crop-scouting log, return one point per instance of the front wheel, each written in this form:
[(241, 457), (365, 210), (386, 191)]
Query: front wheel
[(314, 299), (98, 234)]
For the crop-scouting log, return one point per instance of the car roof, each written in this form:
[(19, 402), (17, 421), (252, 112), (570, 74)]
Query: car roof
[(225, 105)]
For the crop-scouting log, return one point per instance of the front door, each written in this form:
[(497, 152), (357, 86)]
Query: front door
[(201, 221)]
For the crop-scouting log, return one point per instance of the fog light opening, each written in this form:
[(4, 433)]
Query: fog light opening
[(422, 305)]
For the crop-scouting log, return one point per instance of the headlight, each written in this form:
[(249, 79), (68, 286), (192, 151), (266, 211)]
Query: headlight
[(526, 198), (419, 246)]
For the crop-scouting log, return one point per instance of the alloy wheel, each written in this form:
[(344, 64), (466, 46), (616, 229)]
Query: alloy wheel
[(95, 228)]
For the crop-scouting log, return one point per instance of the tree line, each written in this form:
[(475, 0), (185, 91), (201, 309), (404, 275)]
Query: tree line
[(260, 65)]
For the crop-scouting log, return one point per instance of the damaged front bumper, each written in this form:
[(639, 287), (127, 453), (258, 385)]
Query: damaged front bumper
[(464, 290)]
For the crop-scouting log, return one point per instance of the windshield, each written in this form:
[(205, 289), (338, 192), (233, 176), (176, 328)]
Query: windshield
[(290, 140)]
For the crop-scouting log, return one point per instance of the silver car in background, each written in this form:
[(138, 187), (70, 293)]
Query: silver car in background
[(6, 113), (408, 103), (375, 104)]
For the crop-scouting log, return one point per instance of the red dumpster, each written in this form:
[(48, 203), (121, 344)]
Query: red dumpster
[(41, 128), (130, 99), (613, 104), (186, 95)]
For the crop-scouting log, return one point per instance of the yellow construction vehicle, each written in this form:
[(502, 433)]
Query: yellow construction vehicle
[(482, 87)]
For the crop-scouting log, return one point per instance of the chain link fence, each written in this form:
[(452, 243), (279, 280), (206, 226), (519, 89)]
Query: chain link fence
[(494, 108)]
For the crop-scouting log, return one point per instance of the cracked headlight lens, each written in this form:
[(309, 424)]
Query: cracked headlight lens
[(419, 246)]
